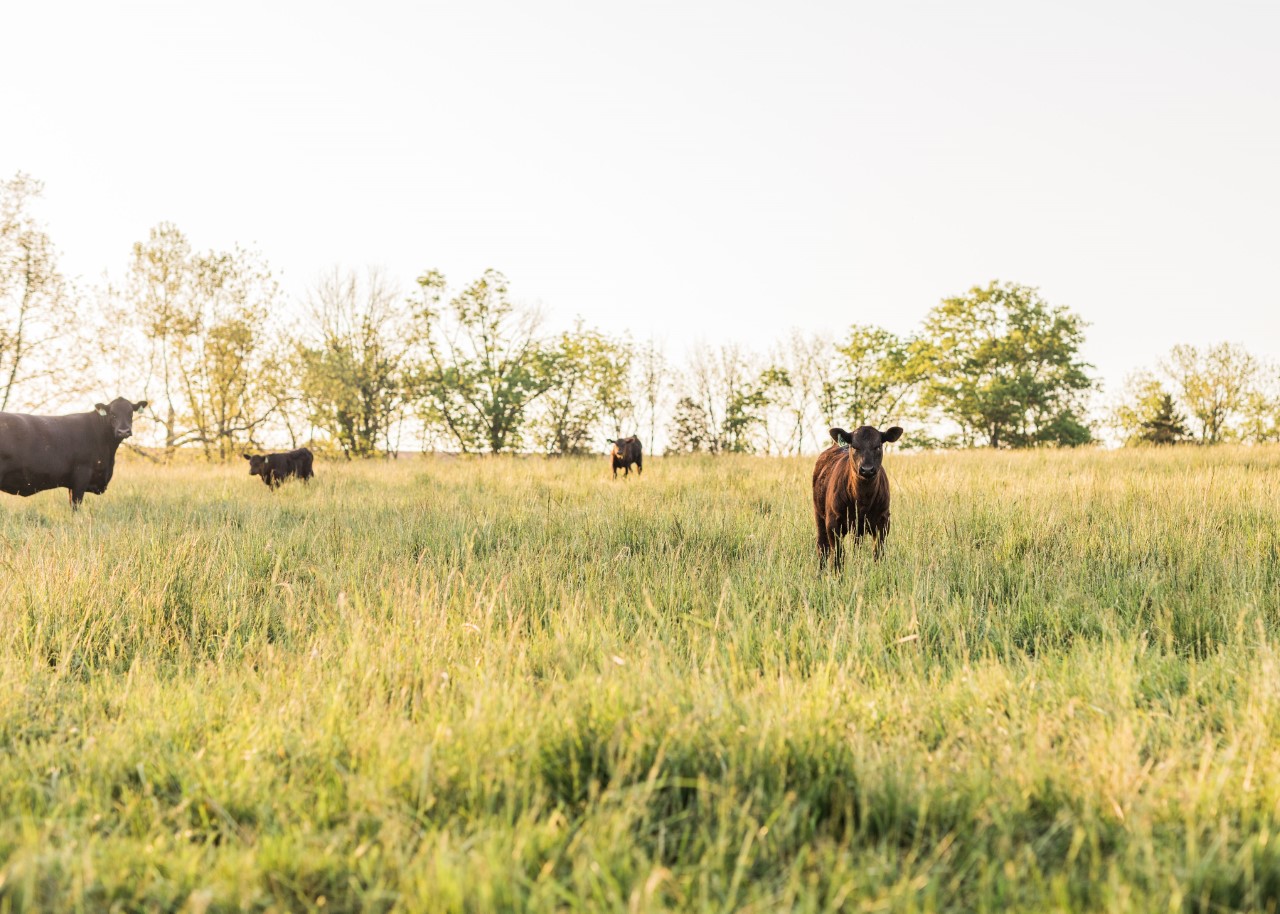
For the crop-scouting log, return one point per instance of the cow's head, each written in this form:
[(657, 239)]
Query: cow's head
[(865, 447), (257, 463), (119, 414)]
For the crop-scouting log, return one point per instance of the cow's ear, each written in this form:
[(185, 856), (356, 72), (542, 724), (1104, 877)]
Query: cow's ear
[(101, 408), (140, 406), (245, 456), (841, 437), (892, 434)]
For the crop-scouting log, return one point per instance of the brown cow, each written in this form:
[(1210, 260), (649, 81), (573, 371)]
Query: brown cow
[(851, 491), (625, 452)]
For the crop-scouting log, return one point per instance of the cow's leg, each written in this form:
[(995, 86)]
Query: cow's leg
[(639, 467), (836, 528), (824, 549), (819, 520), (881, 533), (79, 483)]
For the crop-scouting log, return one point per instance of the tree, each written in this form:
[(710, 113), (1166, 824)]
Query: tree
[(35, 299), (731, 394), (689, 428), (483, 363), (651, 386), (221, 361), (1261, 423), (1164, 425), (877, 374), (1214, 384), (354, 367), (160, 289), (799, 392), (589, 382), (204, 319), (612, 381), (1004, 364)]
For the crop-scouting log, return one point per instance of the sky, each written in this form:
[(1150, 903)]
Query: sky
[(684, 171)]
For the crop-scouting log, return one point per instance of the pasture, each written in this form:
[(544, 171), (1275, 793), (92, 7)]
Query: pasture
[(514, 684)]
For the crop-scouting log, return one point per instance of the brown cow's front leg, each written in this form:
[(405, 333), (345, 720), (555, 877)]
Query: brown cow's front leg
[(881, 533), (836, 528)]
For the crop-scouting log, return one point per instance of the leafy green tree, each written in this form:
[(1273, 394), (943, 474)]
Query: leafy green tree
[(221, 362), (1261, 423), (744, 410), (614, 385), (877, 374), (589, 383), (1215, 385), (204, 318), (1165, 425), (354, 368), (1005, 366), (690, 428), (1147, 413), (1138, 401), (730, 391), (483, 363), (803, 407)]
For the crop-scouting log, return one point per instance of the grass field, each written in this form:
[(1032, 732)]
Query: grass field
[(516, 685)]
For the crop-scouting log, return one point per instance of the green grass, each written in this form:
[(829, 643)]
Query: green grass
[(516, 685)]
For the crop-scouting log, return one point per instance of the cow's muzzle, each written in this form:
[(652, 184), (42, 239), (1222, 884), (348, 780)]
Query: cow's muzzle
[(867, 474), (122, 434)]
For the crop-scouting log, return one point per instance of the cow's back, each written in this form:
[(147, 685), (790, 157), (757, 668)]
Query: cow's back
[(830, 481), (39, 452), (302, 462)]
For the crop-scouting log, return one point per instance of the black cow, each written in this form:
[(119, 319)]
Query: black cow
[(276, 468), (625, 452), (76, 451)]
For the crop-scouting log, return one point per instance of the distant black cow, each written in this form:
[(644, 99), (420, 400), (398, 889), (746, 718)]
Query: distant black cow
[(276, 468), (625, 452), (77, 452)]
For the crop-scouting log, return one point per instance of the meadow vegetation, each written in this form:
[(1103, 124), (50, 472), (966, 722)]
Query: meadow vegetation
[(514, 684)]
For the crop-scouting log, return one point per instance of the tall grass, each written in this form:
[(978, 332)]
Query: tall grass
[(518, 685)]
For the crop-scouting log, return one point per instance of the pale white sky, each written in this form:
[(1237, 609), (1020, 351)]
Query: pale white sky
[(716, 170)]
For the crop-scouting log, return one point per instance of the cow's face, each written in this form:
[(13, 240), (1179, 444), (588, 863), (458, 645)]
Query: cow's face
[(257, 463), (616, 446), (865, 447), (119, 415)]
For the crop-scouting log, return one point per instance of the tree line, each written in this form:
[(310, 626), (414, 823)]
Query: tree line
[(364, 368)]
